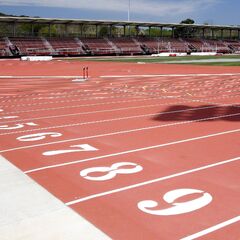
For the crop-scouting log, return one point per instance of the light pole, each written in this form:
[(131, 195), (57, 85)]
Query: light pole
[(129, 10), (129, 16)]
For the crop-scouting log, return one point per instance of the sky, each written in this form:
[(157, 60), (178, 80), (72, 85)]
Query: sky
[(166, 11)]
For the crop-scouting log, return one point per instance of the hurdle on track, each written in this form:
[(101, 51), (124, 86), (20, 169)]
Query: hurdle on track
[(85, 72)]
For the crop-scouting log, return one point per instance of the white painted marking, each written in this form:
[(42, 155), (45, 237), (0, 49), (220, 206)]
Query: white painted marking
[(149, 206), (41, 77), (81, 148), (79, 80), (212, 229), (112, 171), (173, 75), (133, 151), (112, 134), (38, 136), (8, 117), (151, 181)]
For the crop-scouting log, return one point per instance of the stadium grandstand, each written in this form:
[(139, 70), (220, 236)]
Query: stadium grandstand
[(20, 36)]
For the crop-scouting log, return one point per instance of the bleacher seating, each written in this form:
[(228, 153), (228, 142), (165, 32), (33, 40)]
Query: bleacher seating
[(97, 46), (178, 45), (218, 46), (198, 45), (65, 46), (153, 45), (208, 45), (127, 46), (30, 46), (234, 45), (2, 47), (111, 46)]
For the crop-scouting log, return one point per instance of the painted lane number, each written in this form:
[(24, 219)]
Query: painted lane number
[(78, 148), (149, 206), (111, 172), (38, 136), (17, 126), (8, 117)]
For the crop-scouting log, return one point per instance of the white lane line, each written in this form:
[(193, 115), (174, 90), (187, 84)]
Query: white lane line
[(41, 77), (112, 133), (120, 109), (106, 103), (173, 75), (151, 181), (56, 97), (89, 99), (133, 151), (99, 111), (212, 229), (116, 119), (84, 105)]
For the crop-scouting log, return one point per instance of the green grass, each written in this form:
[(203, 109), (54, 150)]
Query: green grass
[(215, 63), (166, 60)]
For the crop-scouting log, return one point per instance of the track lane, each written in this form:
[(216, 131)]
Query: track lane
[(85, 109), (66, 183), (121, 209), (110, 141)]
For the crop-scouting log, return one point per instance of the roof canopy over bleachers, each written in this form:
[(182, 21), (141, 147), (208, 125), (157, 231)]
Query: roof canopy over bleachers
[(110, 23), (13, 21), (53, 36)]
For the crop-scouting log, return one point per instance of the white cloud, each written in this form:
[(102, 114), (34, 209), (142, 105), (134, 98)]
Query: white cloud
[(147, 7)]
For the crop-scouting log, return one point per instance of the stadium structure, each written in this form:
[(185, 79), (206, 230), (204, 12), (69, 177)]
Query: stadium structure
[(75, 37)]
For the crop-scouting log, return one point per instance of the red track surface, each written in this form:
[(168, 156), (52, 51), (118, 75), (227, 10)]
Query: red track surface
[(167, 133)]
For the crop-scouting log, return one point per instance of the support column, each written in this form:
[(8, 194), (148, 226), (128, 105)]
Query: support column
[(49, 30), (230, 33), (212, 30), (81, 30), (173, 32), (137, 30), (149, 31), (32, 29), (96, 31), (238, 34), (161, 32), (124, 30), (110, 31), (203, 33), (221, 33), (66, 30), (14, 29)]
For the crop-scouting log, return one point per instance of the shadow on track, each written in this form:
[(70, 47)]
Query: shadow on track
[(208, 112)]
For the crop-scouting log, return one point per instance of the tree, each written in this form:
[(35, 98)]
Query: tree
[(185, 31), (187, 21)]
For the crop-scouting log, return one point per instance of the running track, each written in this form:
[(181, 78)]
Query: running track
[(142, 152)]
